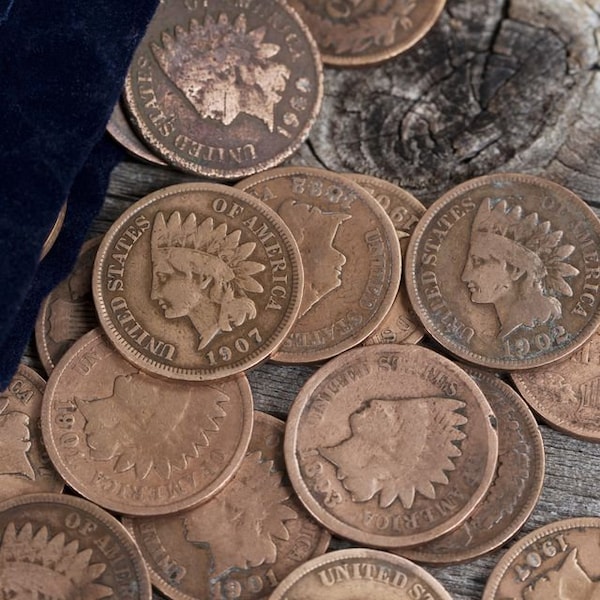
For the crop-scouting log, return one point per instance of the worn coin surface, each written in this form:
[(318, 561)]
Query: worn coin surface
[(241, 543), (68, 312), (350, 254), (504, 271), (225, 89), (359, 573), (24, 465), (361, 32), (197, 282), (400, 325), (567, 394), (555, 562), (138, 444), (59, 546), (515, 488), (391, 445)]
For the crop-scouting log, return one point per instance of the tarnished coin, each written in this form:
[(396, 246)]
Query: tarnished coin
[(504, 270), (225, 89), (197, 282), (54, 231), (361, 32), (567, 394), (241, 543), (515, 488), (24, 465), (137, 444), (59, 546), (350, 254), (68, 312), (390, 445), (400, 325), (555, 562), (360, 573)]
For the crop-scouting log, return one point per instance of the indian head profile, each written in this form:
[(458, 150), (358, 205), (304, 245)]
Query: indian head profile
[(201, 272), (517, 263), (15, 443), (314, 231)]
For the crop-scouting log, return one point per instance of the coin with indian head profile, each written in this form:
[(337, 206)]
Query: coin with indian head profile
[(504, 271), (198, 281)]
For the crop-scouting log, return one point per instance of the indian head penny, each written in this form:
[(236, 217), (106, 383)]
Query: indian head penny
[(137, 444), (24, 464), (359, 573), (241, 543), (198, 282), (361, 32), (504, 271), (559, 561), (390, 445), (57, 546), (224, 89), (515, 488), (350, 254)]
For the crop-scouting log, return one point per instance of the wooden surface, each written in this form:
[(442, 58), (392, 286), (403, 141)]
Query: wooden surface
[(496, 86)]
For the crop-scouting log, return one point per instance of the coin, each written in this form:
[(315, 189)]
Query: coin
[(362, 32), (24, 465), (54, 231), (400, 325), (225, 89), (197, 282), (68, 311), (504, 271), (137, 444), (390, 445), (515, 489), (241, 543), (350, 255), (558, 560), (360, 573), (59, 546)]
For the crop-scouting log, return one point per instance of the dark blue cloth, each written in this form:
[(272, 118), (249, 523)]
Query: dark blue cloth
[(62, 66)]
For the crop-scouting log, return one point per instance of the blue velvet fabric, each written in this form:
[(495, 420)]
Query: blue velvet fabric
[(62, 66)]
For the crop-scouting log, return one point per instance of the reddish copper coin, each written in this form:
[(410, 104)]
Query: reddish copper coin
[(360, 573), (137, 444), (24, 465), (225, 89), (241, 543), (68, 312), (504, 271), (198, 282), (390, 445), (555, 562), (362, 32), (58, 546), (515, 489), (350, 254)]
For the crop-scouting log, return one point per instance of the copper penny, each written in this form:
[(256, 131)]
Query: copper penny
[(390, 445), (362, 32), (555, 562), (360, 573), (400, 325), (54, 231), (350, 254), (515, 488), (241, 543), (504, 270), (566, 394), (68, 312), (225, 89), (119, 128), (137, 444), (58, 546), (24, 465), (197, 282)]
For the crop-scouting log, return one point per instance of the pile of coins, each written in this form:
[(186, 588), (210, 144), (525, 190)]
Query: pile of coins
[(417, 451)]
